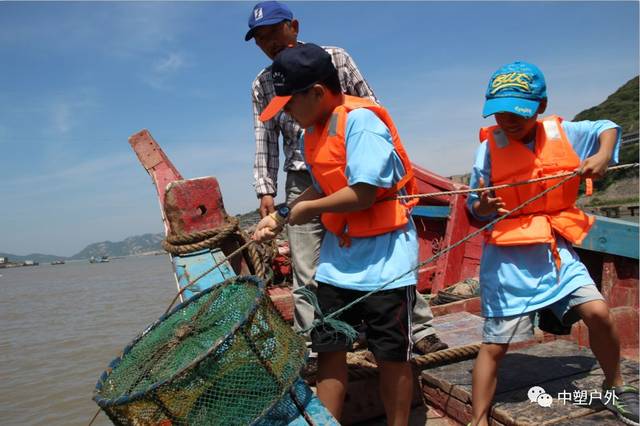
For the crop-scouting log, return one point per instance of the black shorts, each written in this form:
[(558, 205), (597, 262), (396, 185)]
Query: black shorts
[(386, 316)]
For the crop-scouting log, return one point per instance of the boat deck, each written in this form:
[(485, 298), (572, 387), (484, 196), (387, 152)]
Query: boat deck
[(443, 395), (568, 373)]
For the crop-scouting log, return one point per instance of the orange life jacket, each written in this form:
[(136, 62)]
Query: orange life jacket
[(555, 212), (483, 134), (325, 152)]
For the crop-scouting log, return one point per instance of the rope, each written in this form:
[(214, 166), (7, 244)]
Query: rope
[(179, 244), (196, 279), (323, 318), (446, 355), (506, 185)]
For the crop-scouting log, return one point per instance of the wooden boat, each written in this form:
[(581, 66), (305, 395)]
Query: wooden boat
[(610, 252), (195, 207)]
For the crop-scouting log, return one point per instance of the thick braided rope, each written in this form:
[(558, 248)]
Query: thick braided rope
[(178, 244), (446, 355)]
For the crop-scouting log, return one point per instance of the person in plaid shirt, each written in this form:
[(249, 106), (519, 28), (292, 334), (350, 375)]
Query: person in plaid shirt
[(273, 27)]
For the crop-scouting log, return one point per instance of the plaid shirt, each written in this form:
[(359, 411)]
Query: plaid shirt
[(265, 166)]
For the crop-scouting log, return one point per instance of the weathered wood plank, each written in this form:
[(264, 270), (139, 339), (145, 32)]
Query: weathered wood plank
[(559, 367)]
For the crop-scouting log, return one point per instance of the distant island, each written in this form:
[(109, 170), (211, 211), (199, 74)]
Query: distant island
[(131, 246), (617, 187), (136, 245)]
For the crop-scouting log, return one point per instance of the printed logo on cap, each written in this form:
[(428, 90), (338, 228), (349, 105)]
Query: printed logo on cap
[(257, 13), (514, 80), (278, 78)]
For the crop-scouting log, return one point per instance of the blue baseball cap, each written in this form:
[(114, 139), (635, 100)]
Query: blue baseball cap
[(267, 13), (294, 70), (518, 88)]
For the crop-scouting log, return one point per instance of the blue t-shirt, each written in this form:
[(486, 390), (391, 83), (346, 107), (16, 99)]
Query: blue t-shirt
[(519, 279), (372, 261)]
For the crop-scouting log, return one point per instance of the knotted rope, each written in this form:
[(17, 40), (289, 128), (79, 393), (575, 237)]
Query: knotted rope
[(180, 244)]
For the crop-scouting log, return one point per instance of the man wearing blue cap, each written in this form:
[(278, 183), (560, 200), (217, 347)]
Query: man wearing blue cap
[(274, 28), (528, 262)]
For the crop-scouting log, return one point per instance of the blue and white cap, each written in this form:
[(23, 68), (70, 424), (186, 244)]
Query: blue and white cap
[(267, 13), (518, 88)]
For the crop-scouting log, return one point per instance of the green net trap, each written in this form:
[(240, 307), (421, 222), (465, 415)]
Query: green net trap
[(224, 357)]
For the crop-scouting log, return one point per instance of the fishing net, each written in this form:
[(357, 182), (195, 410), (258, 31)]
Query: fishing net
[(224, 357)]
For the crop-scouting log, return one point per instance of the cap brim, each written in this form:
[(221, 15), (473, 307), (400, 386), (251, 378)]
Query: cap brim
[(276, 104), (271, 21), (526, 108)]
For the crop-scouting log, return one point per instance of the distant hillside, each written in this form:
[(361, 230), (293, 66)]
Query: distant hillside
[(36, 257), (138, 244), (621, 107), (133, 245)]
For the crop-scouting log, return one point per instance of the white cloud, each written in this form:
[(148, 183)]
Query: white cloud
[(65, 112), (61, 118), (166, 67), (172, 63)]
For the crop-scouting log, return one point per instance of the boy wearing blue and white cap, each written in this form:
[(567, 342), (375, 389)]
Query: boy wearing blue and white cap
[(528, 263)]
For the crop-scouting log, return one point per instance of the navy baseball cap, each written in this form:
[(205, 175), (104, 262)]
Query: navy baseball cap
[(294, 70), (518, 88), (267, 13)]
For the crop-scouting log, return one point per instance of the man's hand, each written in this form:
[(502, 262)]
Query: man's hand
[(488, 205), (301, 213), (595, 166), (267, 229), (266, 205)]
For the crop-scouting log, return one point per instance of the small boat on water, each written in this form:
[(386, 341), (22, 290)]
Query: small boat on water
[(99, 259), (58, 262), (560, 363)]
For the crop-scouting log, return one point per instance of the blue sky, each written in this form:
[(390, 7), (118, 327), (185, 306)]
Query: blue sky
[(77, 79)]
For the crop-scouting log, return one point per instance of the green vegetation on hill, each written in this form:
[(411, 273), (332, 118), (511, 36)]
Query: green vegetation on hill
[(621, 107)]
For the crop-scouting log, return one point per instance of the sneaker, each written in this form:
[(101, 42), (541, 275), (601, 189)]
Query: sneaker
[(624, 404), (429, 344)]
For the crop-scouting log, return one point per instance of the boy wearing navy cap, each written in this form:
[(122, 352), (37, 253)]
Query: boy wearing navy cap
[(528, 262), (357, 163), (273, 27)]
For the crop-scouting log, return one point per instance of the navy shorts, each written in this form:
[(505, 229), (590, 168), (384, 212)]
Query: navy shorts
[(386, 316)]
